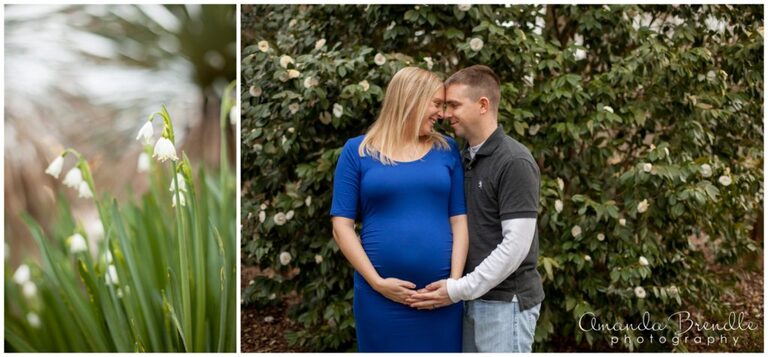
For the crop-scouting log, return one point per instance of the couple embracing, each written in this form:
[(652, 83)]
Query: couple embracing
[(440, 225)]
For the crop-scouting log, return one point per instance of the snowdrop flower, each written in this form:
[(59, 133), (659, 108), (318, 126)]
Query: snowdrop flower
[(558, 206), (29, 289), (54, 169), (73, 178), (600, 237), (642, 206), (622, 222), (263, 46), (111, 275), (320, 43), (429, 62), (640, 292), (643, 261), (464, 7), (279, 218), (285, 60), (608, 109), (84, 191), (294, 108), (182, 199), (285, 258), (262, 216), (254, 91), (647, 167), (308, 201), (338, 110), (146, 132), (318, 258), (143, 164), (560, 184), (724, 180), (365, 85), (310, 82), (476, 44), (22, 274), (164, 150), (33, 319), (234, 115), (587, 258), (292, 73), (705, 170), (576, 231), (77, 243), (182, 183), (289, 215), (379, 59)]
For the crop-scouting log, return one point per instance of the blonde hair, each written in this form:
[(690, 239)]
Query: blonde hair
[(405, 104)]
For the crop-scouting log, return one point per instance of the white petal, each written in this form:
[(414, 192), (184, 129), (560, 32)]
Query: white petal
[(234, 115), (54, 169), (146, 132), (22, 274), (84, 191), (111, 275), (77, 243), (33, 319), (143, 164), (29, 289), (164, 150), (73, 178)]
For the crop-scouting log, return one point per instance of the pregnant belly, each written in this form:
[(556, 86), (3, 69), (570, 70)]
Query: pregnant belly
[(420, 255)]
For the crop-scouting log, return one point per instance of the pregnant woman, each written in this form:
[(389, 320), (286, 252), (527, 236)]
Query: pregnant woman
[(405, 184)]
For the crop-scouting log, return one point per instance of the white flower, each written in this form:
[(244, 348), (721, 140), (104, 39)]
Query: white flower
[(672, 290), (292, 73), (73, 178), (262, 216), (77, 243), (320, 43), (622, 222), (29, 289), (528, 79), (108, 257), (54, 169), (318, 258), (647, 167), (294, 108), (285, 60), (182, 199), (705, 170), (365, 85), (642, 206), (724, 180), (33, 319), (263, 206), (576, 231), (379, 59), (263, 46), (608, 109), (22, 274), (279, 218), (234, 115), (464, 7), (143, 164), (285, 258), (534, 129), (338, 110), (429, 62), (308, 201), (146, 132), (111, 275), (558, 206), (476, 44), (640, 292), (310, 82), (255, 91), (643, 261), (600, 237), (84, 191), (272, 296), (164, 150), (560, 184), (182, 183), (587, 258), (292, 129), (289, 215)]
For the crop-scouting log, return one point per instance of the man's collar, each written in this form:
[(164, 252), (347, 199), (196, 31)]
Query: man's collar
[(489, 146)]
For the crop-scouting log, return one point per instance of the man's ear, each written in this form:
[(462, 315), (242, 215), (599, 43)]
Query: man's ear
[(485, 105)]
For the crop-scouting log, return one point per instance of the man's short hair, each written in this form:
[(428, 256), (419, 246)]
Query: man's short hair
[(482, 82)]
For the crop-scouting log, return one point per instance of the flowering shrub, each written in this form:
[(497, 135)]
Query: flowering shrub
[(646, 123), (163, 277)]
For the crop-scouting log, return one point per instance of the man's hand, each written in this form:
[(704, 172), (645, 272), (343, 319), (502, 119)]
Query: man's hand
[(395, 289), (433, 296)]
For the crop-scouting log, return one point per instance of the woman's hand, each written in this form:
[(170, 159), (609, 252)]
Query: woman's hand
[(395, 289)]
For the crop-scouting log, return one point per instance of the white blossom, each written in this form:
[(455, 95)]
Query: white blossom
[(108, 257), (292, 129), (338, 110), (476, 44), (640, 292), (29, 289), (464, 7), (429, 62), (164, 150), (705, 170), (379, 59), (77, 243), (534, 129), (234, 115), (279, 218), (33, 319), (263, 46), (672, 290), (84, 191), (292, 73), (560, 184), (647, 167), (608, 109), (285, 258), (73, 178), (318, 258), (308, 201), (263, 206), (289, 215), (600, 237), (285, 60), (365, 85), (143, 164), (182, 183), (182, 199), (293, 108), (558, 206), (111, 275), (622, 222), (643, 261), (54, 169), (262, 216), (272, 296), (146, 132), (642, 206), (320, 43), (576, 231), (724, 180), (587, 258), (310, 82), (22, 274), (254, 91)]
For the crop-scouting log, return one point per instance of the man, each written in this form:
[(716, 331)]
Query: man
[(501, 287)]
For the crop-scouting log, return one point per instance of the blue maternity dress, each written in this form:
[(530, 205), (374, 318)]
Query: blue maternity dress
[(406, 233)]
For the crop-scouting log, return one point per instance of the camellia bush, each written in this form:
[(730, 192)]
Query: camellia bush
[(646, 123), (162, 279)]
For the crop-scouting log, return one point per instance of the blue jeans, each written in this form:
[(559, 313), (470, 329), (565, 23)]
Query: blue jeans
[(498, 326)]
